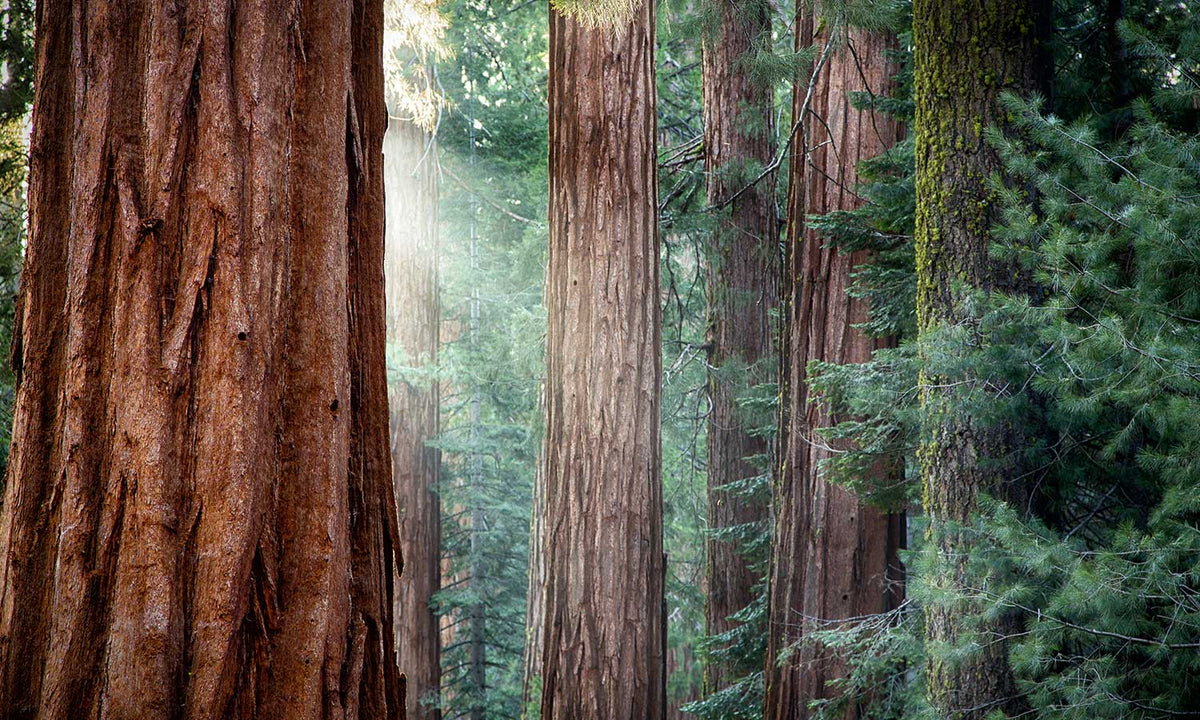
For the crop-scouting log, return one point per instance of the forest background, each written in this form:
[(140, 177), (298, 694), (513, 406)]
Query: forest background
[(1105, 573)]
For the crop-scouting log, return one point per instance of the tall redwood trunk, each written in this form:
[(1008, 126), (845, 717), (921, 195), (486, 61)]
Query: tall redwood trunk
[(410, 174), (743, 292), (966, 55), (604, 637), (834, 556), (198, 520)]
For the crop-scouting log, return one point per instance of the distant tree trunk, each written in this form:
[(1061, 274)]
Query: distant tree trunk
[(535, 597), (966, 55), (198, 520), (680, 661), (835, 557), (410, 168), (605, 642), (743, 292)]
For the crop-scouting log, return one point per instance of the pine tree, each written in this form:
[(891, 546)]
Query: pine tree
[(492, 150)]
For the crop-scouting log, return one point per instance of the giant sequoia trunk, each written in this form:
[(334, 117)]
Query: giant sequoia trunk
[(835, 557), (742, 294), (412, 299), (198, 520), (604, 634), (966, 55)]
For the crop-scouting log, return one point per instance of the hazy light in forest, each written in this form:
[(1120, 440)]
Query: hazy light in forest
[(413, 40)]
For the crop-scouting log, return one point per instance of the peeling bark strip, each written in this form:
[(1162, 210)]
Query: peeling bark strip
[(835, 557), (604, 633), (743, 292), (198, 519), (412, 299)]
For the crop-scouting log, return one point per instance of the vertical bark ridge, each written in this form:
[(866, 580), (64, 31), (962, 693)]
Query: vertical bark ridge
[(202, 399), (835, 557), (604, 641)]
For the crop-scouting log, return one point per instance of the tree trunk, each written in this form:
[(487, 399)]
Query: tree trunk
[(966, 55), (604, 643), (410, 163), (477, 656), (835, 557), (743, 291), (198, 520)]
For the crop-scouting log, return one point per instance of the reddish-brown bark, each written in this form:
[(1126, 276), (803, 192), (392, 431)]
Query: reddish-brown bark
[(743, 292), (413, 316), (834, 556), (605, 633), (198, 519)]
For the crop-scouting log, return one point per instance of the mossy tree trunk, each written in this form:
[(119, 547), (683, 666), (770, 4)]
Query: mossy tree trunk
[(604, 634), (410, 167), (967, 54), (198, 520), (835, 557), (743, 292)]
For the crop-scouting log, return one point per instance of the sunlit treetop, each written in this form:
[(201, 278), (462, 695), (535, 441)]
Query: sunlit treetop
[(611, 15), (413, 39)]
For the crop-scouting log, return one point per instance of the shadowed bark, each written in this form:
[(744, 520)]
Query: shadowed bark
[(198, 519), (604, 645)]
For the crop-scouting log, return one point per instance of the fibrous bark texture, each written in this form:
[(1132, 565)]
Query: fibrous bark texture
[(835, 557), (604, 636), (198, 520), (967, 54), (410, 176), (743, 292)]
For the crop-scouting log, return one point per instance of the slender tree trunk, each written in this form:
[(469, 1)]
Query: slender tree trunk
[(835, 557), (680, 661), (743, 292), (966, 55), (605, 641), (478, 610), (198, 520), (410, 168)]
